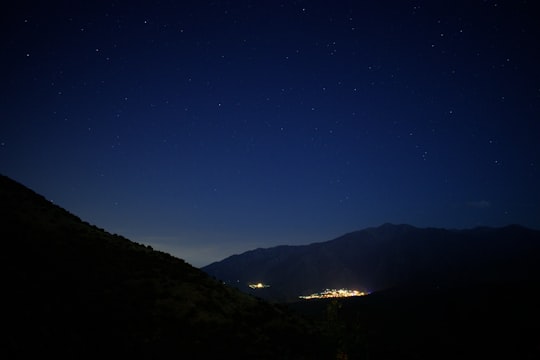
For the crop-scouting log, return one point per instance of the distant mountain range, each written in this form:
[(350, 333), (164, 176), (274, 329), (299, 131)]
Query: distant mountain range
[(385, 257)]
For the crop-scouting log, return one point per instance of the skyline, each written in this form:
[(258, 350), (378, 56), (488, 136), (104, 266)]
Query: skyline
[(206, 129)]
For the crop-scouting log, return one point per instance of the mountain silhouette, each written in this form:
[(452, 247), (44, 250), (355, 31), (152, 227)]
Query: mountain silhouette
[(385, 257), (73, 289)]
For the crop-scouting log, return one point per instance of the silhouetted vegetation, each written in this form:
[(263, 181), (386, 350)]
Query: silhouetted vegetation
[(74, 289)]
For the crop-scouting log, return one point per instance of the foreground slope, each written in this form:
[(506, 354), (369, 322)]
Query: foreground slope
[(486, 321), (71, 288), (388, 256)]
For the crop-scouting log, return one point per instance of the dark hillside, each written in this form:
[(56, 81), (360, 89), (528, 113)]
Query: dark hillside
[(487, 321), (73, 289)]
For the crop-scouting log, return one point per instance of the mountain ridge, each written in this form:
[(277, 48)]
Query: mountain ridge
[(386, 256)]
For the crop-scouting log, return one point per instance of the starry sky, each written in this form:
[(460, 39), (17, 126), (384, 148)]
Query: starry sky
[(209, 128)]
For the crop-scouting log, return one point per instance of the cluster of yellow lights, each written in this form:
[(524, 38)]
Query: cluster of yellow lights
[(334, 293), (258, 286)]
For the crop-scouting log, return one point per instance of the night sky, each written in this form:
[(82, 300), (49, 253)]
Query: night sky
[(206, 129)]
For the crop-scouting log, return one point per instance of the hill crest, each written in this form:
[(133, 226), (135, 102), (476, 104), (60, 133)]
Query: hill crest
[(72, 288)]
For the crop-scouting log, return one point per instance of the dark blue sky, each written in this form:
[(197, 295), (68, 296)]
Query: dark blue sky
[(211, 128)]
